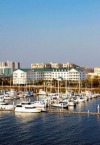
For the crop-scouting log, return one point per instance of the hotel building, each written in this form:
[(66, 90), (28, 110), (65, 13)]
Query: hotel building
[(22, 76)]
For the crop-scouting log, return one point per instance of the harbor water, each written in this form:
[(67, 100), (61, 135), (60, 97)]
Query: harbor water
[(48, 128)]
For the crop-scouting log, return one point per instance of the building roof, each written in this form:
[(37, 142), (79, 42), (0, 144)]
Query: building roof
[(56, 69), (25, 69), (49, 69)]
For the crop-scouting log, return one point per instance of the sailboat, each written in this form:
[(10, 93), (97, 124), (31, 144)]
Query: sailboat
[(58, 103)]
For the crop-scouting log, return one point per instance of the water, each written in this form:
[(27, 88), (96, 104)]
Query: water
[(51, 128)]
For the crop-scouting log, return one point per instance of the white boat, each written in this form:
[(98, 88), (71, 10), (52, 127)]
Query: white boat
[(41, 92), (26, 109), (7, 97), (11, 93), (88, 94), (16, 97), (6, 106), (80, 99), (26, 94), (26, 104), (60, 105), (1, 98), (40, 105), (71, 102)]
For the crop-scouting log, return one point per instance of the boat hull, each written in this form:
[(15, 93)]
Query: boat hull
[(59, 105), (6, 107), (24, 110)]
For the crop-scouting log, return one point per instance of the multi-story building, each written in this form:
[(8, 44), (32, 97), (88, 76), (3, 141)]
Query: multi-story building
[(21, 76), (53, 65), (37, 65), (56, 65), (97, 71), (69, 65), (40, 65), (13, 65), (10, 64), (8, 67), (6, 71), (47, 65), (24, 76), (2, 64)]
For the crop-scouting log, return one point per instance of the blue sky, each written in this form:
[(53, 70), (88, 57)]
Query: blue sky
[(34, 31)]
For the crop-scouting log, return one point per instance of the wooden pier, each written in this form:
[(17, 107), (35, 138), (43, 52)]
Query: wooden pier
[(61, 111)]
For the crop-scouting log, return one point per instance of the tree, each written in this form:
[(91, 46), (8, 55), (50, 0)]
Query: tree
[(95, 81)]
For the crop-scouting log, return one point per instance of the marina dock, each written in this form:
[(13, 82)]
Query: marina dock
[(61, 111)]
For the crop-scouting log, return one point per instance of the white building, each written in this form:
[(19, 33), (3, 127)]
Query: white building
[(95, 73), (22, 76)]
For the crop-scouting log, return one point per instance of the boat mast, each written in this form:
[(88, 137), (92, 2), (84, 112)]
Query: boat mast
[(79, 83)]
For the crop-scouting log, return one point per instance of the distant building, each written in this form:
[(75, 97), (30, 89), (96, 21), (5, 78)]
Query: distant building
[(53, 65), (13, 65), (8, 67), (56, 65), (37, 65), (2, 64), (96, 72), (6, 71), (69, 65), (16, 65)]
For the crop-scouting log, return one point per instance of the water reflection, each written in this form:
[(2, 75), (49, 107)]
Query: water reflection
[(79, 107), (98, 118), (26, 117), (2, 113), (71, 108)]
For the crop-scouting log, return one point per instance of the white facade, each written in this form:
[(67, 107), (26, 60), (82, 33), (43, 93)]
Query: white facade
[(97, 71), (19, 77), (71, 74), (75, 75), (34, 75), (23, 76)]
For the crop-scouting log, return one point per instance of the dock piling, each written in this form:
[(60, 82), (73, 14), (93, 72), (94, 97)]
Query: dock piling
[(98, 108)]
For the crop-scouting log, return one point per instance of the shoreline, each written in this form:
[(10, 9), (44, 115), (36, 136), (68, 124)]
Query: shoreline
[(36, 89)]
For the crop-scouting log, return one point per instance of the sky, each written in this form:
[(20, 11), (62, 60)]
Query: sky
[(42, 31)]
